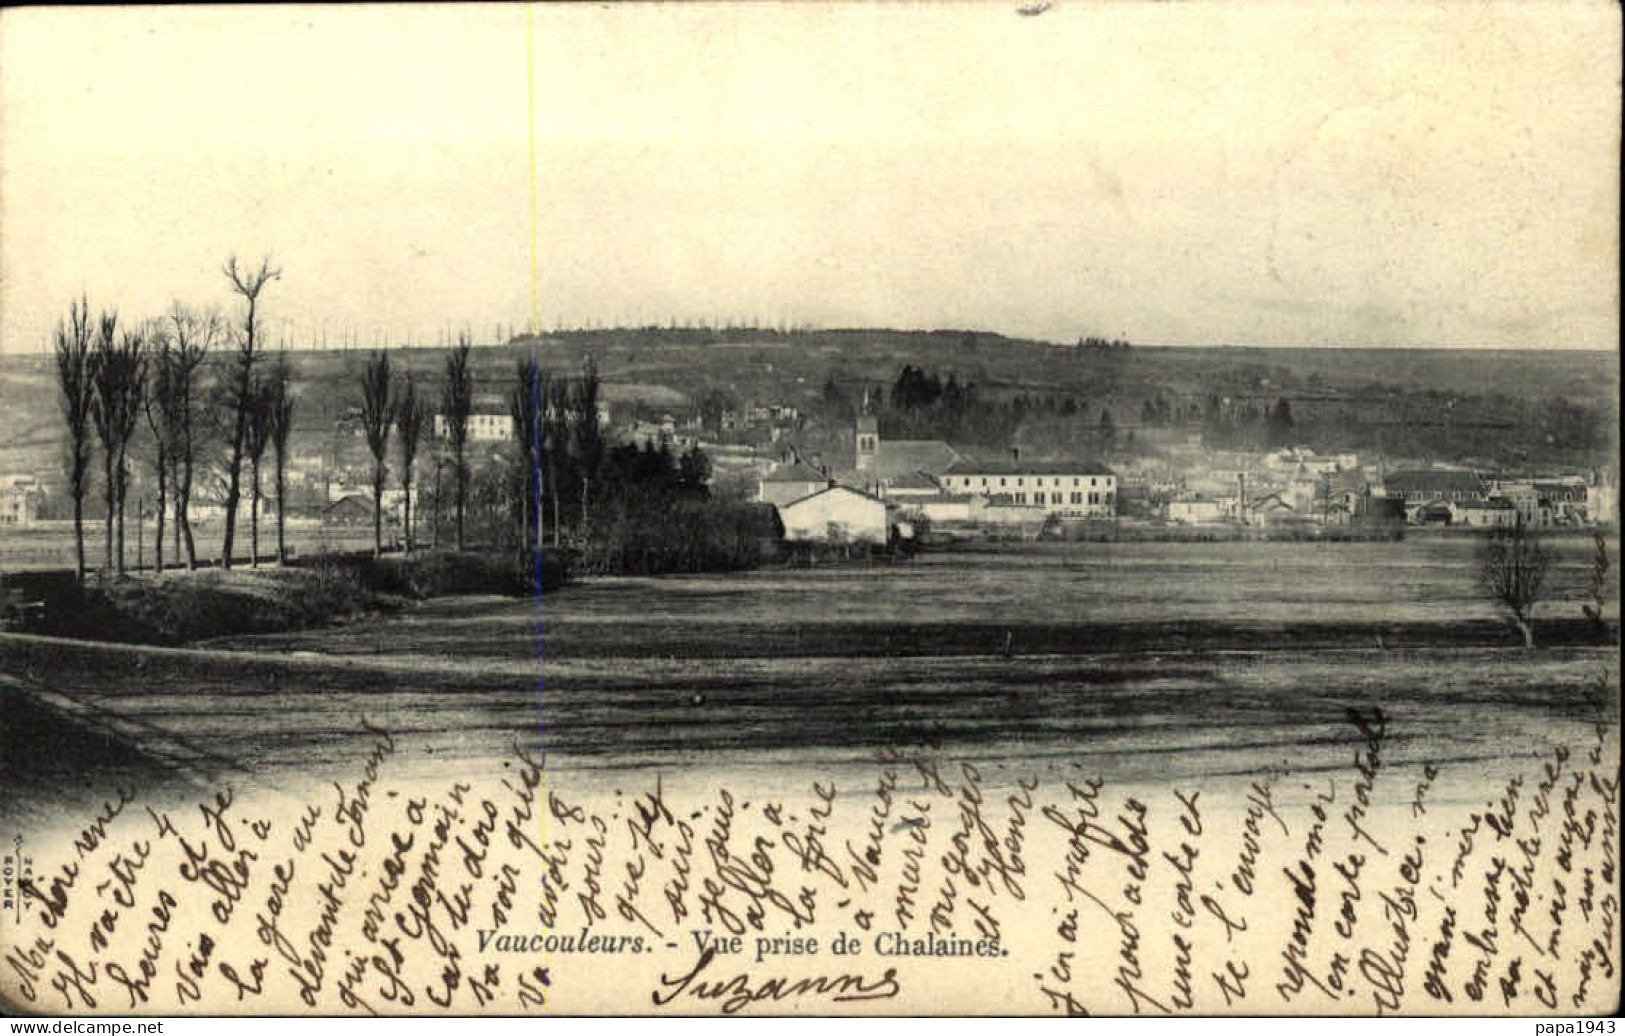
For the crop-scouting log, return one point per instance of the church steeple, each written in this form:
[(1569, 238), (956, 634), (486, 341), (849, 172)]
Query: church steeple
[(867, 434)]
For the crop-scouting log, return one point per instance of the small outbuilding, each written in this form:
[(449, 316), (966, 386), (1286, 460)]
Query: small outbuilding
[(1496, 511), (353, 509), (1197, 511), (788, 483)]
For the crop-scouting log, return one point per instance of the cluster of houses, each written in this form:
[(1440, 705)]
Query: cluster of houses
[(890, 486), (893, 486), (342, 495), (1446, 497), (1296, 485)]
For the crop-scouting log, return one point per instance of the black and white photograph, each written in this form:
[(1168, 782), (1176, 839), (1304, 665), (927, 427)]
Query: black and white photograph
[(810, 509)]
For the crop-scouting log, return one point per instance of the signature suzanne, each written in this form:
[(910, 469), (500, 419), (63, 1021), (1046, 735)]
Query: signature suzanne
[(742, 990)]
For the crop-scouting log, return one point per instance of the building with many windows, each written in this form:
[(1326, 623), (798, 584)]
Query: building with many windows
[(931, 478), (1066, 489), (483, 426), (20, 500)]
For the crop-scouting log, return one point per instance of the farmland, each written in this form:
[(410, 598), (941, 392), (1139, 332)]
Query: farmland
[(1153, 661), (1050, 599)]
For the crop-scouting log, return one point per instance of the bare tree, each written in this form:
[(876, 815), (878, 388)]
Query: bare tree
[(279, 414), (556, 448), (258, 437), (247, 283), (526, 405), (411, 414), (588, 435), (436, 496), (377, 416), (158, 402), (1512, 570), (457, 402), (103, 381), (192, 334), (117, 372), (73, 369)]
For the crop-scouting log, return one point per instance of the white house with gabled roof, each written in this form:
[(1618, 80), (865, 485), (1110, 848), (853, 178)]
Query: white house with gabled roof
[(837, 514)]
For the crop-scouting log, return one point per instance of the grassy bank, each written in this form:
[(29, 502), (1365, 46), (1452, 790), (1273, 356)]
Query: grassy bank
[(180, 607)]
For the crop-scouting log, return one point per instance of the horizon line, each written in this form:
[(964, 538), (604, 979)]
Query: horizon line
[(45, 348)]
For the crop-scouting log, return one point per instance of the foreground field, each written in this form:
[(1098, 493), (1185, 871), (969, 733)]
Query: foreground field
[(1154, 662), (1051, 599), (1255, 714)]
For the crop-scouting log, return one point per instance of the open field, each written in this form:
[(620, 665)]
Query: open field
[(1154, 661), (49, 545), (1066, 599)]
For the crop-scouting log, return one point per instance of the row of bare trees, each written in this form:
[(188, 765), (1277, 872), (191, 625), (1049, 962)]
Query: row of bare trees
[(181, 351), (111, 377), (552, 459), (552, 431), (390, 406)]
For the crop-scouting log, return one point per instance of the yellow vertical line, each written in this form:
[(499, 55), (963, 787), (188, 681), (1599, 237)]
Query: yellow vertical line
[(535, 310)]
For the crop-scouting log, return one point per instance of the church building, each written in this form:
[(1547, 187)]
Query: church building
[(880, 462)]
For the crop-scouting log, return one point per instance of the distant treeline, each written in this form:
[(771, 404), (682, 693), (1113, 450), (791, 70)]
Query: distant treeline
[(922, 404), (1494, 428), (1499, 429)]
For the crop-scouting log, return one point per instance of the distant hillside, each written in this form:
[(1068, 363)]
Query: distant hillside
[(672, 368), (760, 363)]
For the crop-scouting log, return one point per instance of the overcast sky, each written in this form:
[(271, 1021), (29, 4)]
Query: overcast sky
[(1426, 175)]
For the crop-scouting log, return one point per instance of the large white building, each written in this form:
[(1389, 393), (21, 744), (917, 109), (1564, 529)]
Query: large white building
[(929, 477), (483, 426), (1067, 489)]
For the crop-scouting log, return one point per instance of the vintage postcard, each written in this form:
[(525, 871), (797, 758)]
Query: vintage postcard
[(810, 509)]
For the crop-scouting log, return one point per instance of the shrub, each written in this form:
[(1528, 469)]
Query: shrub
[(698, 535)]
